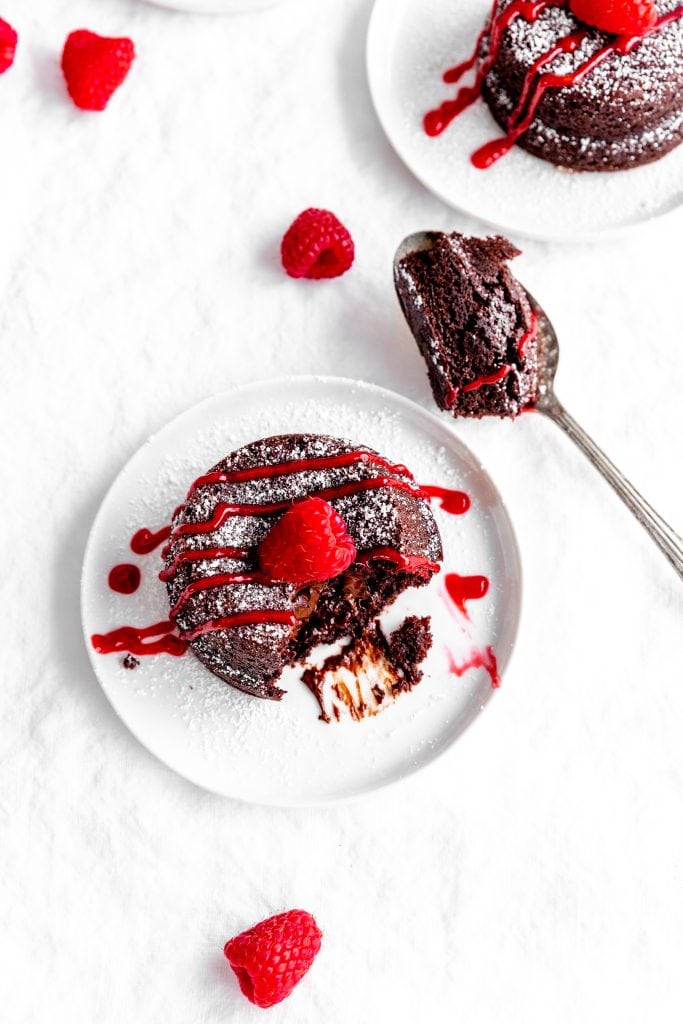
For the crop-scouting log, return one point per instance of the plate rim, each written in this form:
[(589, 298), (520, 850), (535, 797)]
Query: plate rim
[(372, 48), (306, 379)]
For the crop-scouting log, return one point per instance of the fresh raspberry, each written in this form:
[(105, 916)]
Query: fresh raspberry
[(8, 45), (94, 67), (316, 245), (308, 544), (273, 956), (621, 17)]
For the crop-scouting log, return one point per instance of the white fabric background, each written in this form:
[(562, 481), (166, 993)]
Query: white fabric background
[(534, 874)]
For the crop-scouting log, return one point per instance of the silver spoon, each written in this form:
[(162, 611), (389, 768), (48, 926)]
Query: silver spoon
[(548, 404)]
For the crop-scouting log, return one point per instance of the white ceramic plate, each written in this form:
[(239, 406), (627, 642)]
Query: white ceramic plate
[(409, 47), (281, 753)]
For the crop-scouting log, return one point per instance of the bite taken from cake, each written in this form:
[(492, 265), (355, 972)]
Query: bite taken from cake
[(472, 322), (291, 542)]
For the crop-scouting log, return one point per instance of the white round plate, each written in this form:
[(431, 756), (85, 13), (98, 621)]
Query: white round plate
[(281, 752), (409, 47)]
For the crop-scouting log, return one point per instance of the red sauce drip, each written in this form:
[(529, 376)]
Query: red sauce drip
[(223, 511), (156, 639), (124, 579), (415, 563), (298, 466), (479, 658), (144, 541), (204, 555), (523, 342), (220, 579), (498, 375), (454, 74), (436, 121), (454, 502), (491, 378), (465, 588), (241, 619), (536, 82)]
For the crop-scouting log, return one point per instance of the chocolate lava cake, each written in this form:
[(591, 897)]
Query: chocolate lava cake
[(625, 111), (473, 324), (212, 568)]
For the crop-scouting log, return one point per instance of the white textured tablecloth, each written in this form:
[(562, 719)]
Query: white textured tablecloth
[(534, 874)]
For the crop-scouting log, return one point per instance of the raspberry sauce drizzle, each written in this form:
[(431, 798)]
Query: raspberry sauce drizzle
[(465, 588), (436, 121), (157, 639), (203, 555), (456, 503), (241, 619), (145, 541), (220, 579), (452, 501), (493, 378), (459, 590), (124, 578), (299, 466), (413, 563)]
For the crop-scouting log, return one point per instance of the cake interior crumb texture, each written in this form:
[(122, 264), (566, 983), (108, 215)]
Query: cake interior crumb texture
[(469, 315)]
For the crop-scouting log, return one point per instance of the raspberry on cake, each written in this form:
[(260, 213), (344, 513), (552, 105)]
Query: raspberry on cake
[(591, 85), (290, 542), (472, 322)]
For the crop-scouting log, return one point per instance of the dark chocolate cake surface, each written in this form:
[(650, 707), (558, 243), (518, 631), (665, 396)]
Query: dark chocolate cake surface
[(625, 112), (380, 516), (473, 324)]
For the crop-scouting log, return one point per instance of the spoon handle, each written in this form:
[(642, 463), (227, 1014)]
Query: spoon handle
[(660, 531)]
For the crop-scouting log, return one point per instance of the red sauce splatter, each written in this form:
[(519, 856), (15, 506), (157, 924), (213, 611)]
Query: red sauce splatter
[(478, 658), (454, 502), (156, 639), (465, 588), (124, 579)]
